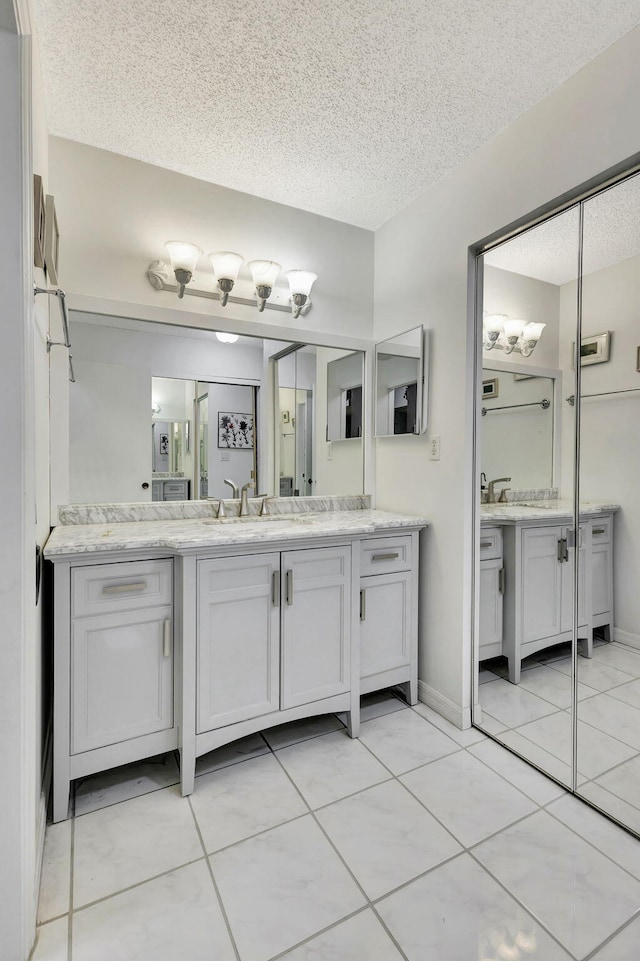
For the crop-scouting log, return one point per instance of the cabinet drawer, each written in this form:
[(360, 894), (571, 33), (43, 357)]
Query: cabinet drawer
[(120, 587), (490, 543), (385, 555), (601, 530), (175, 488)]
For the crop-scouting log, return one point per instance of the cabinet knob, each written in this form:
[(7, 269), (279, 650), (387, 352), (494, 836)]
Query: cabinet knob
[(145, 486)]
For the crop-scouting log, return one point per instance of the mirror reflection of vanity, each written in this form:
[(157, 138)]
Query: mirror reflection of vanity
[(222, 415)]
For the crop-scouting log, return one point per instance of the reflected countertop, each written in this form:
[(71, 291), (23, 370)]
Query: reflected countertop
[(201, 534), (551, 510)]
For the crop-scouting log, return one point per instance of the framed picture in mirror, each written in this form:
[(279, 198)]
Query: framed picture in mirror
[(490, 388), (594, 349)]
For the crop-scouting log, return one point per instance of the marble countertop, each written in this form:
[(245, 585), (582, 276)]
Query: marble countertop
[(540, 510), (187, 535)]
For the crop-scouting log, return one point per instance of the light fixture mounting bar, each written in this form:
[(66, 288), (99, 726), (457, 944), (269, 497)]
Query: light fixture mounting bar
[(158, 274)]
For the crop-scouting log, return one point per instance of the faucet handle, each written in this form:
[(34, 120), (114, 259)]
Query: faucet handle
[(264, 510), (222, 510)]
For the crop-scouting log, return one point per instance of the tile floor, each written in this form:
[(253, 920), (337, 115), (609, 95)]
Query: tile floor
[(533, 718), (417, 842)]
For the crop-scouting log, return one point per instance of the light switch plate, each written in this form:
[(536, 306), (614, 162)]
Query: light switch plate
[(225, 454), (434, 447)]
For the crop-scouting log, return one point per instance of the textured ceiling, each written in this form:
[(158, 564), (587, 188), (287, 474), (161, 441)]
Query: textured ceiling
[(348, 108), (550, 252)]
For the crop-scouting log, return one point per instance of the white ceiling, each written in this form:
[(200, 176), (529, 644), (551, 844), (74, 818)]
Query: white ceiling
[(550, 251), (348, 108)]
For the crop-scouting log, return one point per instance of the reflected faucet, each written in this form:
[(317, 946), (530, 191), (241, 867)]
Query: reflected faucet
[(244, 502), (491, 499)]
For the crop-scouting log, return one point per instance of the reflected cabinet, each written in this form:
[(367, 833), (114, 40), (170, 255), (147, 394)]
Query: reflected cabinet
[(557, 639)]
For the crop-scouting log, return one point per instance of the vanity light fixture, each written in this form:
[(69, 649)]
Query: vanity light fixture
[(264, 273), (499, 330), (184, 259), (300, 284), (226, 338), (155, 407), (226, 266)]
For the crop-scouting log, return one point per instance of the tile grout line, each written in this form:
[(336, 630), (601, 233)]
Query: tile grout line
[(214, 883), (137, 884), (593, 955)]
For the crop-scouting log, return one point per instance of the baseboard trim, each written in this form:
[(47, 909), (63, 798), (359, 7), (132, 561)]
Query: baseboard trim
[(626, 637), (460, 716)]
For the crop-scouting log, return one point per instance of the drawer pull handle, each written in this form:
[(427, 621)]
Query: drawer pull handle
[(275, 588), (385, 557), (166, 639), (289, 587), (123, 588), (501, 581), (599, 530), (363, 605), (484, 544)]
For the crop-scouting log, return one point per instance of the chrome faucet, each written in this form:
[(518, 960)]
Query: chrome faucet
[(244, 502), (264, 510), (491, 499), (234, 487)]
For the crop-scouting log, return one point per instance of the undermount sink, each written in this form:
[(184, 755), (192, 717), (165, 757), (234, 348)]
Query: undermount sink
[(259, 521)]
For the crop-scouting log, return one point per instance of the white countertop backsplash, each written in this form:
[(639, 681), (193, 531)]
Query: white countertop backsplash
[(188, 534)]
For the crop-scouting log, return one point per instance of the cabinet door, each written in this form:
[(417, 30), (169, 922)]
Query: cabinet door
[(385, 616), (566, 622), (601, 589), (121, 677), (316, 624), (491, 605), (238, 636), (541, 585)]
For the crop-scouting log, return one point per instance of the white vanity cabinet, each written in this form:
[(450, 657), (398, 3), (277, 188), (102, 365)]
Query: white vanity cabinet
[(389, 614), (602, 574), (113, 668), (491, 593)]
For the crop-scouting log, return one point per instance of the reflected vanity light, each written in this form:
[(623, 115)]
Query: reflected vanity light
[(226, 265), (226, 338), (499, 330)]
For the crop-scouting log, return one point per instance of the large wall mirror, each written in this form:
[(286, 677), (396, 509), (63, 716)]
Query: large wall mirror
[(557, 645), (400, 388), (160, 412)]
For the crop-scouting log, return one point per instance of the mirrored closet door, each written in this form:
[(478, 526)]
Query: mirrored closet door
[(557, 646)]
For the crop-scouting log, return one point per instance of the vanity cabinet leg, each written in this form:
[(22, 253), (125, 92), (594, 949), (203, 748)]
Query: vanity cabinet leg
[(410, 689), (514, 669), (187, 771), (61, 785)]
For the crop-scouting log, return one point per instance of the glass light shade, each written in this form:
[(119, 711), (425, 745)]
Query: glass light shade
[(226, 264), (300, 281), (513, 328), (532, 331), (183, 256), (495, 322), (226, 338), (264, 272)]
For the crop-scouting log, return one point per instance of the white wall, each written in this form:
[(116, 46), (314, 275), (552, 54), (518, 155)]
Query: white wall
[(610, 435), (586, 126), (115, 215), (229, 398)]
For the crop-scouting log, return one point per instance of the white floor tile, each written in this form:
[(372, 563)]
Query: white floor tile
[(464, 738), (578, 894), (624, 781), (330, 767), (553, 686), (131, 842), (52, 941), (622, 658), (470, 800), (607, 837), (282, 887), (361, 938), (377, 705), (597, 752), (176, 916), (612, 716), (55, 883), (615, 806), (490, 725), (246, 747), (594, 673), (538, 755), (242, 800), (629, 693), (623, 947), (295, 731), (405, 740), (386, 837), (122, 783), (459, 913), (512, 704), (535, 785)]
